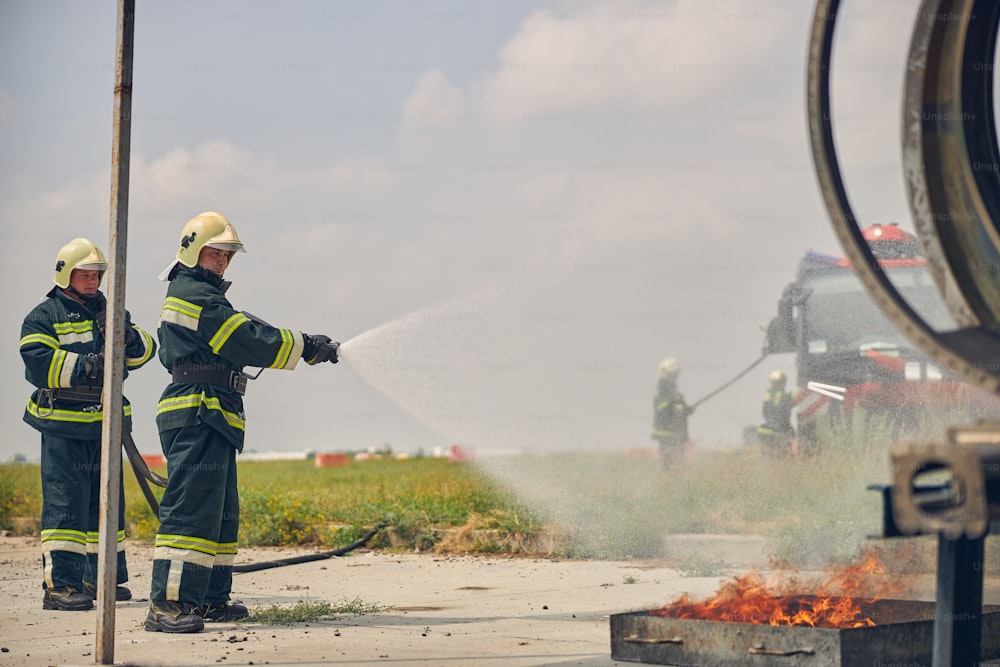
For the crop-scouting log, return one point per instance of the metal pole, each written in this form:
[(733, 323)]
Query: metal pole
[(114, 344), (959, 605)]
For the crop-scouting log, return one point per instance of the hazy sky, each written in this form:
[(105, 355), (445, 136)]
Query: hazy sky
[(510, 212)]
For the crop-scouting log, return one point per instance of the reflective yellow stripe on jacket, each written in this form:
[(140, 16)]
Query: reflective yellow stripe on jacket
[(74, 332), (147, 343), (285, 352), (40, 338), (193, 401), (180, 312), (62, 363), (226, 330)]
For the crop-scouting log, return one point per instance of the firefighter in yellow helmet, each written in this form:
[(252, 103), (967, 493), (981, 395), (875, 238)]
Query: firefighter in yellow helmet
[(62, 346), (205, 343), (777, 433), (670, 415)]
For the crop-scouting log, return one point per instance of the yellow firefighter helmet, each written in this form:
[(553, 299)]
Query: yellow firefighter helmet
[(669, 369), (777, 378), (207, 229), (78, 254)]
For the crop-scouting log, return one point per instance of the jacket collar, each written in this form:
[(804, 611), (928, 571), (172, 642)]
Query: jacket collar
[(94, 304), (198, 273)]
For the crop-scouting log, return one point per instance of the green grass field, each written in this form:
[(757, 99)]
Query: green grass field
[(813, 510), (286, 503)]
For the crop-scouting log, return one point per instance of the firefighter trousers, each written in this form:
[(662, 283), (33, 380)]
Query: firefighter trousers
[(71, 500), (199, 518), (671, 451)]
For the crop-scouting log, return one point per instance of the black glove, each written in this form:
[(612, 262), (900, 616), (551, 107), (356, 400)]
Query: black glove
[(101, 318), (318, 348), (94, 366), (131, 335)]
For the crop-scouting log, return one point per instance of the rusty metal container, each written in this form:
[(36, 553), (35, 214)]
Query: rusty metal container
[(903, 634)]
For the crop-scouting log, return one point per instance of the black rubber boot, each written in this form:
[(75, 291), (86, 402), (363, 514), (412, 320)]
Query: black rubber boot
[(121, 593), (66, 598), (170, 616), (223, 611)]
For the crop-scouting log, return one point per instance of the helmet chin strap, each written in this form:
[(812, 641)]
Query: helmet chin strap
[(80, 296)]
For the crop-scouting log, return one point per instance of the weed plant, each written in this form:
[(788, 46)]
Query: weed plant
[(306, 611)]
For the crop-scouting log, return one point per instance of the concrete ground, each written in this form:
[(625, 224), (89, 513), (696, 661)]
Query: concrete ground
[(441, 611), (438, 610)]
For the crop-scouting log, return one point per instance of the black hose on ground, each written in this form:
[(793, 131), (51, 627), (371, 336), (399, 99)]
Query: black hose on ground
[(143, 475), (322, 555)]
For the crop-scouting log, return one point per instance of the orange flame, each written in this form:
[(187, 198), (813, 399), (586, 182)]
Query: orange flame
[(835, 603)]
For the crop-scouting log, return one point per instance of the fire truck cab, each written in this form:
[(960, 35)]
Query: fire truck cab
[(849, 355)]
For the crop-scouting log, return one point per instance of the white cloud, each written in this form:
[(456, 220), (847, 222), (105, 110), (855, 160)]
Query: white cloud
[(223, 170), (212, 167), (637, 57), (434, 103)]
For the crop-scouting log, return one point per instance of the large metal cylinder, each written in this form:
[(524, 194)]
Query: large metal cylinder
[(952, 170)]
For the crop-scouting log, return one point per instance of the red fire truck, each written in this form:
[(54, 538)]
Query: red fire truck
[(850, 356)]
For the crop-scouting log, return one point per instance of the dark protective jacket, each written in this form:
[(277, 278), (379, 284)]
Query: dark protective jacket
[(56, 337), (200, 329), (670, 413), (777, 409)]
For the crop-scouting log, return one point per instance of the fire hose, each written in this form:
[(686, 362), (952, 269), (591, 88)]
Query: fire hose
[(729, 382), (322, 555), (144, 476)]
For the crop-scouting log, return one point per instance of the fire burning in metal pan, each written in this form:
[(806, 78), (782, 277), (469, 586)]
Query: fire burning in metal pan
[(833, 603)]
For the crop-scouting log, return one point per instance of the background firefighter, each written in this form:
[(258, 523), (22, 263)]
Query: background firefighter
[(670, 415), (62, 345), (205, 343), (777, 433)]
